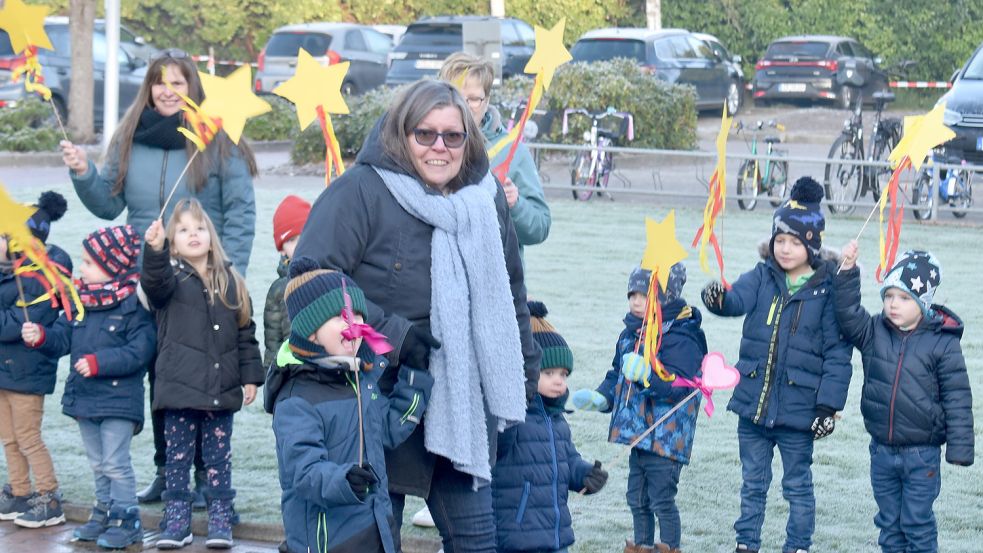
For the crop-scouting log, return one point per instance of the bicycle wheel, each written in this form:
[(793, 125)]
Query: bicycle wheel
[(843, 182), (778, 182), (748, 184), (965, 196), (582, 176), (605, 168), (878, 177), (921, 195)]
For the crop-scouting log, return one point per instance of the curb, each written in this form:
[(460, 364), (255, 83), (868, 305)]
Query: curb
[(53, 159)]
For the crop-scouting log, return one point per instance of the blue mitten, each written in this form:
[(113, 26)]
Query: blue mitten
[(634, 367), (589, 400)]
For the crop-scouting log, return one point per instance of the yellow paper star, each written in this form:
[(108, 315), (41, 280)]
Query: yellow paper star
[(550, 53), (921, 134), (232, 100), (662, 250), (13, 218), (314, 85), (25, 25)]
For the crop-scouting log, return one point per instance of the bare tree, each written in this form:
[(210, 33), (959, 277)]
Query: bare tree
[(653, 14), (82, 14)]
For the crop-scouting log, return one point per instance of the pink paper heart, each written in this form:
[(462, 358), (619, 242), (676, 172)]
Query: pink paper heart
[(717, 374)]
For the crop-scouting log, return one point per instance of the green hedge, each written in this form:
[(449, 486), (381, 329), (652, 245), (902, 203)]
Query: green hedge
[(28, 127), (278, 124)]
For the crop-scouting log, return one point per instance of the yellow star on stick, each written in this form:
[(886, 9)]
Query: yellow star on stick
[(13, 218), (314, 85), (921, 134), (25, 25), (232, 100), (662, 250), (550, 53)]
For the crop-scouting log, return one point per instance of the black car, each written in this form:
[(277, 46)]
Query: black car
[(964, 111), (674, 55), (429, 41), (818, 68)]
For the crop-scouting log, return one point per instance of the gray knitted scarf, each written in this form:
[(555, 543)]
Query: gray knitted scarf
[(472, 314)]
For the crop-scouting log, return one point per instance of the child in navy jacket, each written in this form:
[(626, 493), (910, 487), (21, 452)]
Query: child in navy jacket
[(110, 347), (537, 462), (916, 394), (332, 467), (794, 365)]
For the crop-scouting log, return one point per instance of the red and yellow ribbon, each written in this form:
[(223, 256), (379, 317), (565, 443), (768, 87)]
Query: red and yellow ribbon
[(890, 237), (30, 71), (202, 127), (332, 157), (56, 279), (653, 332), (514, 136), (706, 234)]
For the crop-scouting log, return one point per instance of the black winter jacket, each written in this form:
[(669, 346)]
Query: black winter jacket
[(203, 356), (358, 228), (276, 324), (916, 389)]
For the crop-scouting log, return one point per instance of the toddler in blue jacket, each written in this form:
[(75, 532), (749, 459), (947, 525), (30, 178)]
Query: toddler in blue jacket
[(794, 365), (656, 461), (537, 462), (916, 394), (330, 501), (110, 347)]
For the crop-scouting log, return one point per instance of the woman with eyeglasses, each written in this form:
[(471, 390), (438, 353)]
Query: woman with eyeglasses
[(523, 190), (145, 158), (423, 228)]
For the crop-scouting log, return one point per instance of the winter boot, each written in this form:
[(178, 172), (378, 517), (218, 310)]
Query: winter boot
[(45, 511), (98, 520), (630, 547), (12, 506), (151, 494), (177, 520), (741, 548), (124, 528), (664, 548), (219, 518), (201, 483)]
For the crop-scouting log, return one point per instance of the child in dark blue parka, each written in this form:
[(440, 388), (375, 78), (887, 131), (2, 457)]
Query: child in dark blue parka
[(537, 462), (111, 347), (794, 365), (331, 502)]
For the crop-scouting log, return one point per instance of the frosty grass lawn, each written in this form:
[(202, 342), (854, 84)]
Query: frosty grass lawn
[(581, 274)]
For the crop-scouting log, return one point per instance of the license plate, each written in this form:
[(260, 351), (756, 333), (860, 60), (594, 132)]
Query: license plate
[(792, 87), (428, 64)]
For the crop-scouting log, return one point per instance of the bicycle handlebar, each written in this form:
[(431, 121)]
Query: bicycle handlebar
[(599, 115)]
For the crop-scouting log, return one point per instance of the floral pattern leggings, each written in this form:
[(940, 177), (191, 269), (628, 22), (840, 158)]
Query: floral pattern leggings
[(180, 427)]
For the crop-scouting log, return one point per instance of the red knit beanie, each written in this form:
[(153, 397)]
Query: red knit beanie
[(289, 219)]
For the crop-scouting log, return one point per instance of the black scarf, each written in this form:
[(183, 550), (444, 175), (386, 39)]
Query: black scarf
[(157, 131)]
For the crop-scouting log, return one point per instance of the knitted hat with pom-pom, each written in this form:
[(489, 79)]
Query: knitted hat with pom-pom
[(315, 295), (51, 206), (556, 352), (802, 217)]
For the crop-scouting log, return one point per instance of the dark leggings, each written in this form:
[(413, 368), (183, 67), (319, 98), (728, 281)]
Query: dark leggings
[(157, 421)]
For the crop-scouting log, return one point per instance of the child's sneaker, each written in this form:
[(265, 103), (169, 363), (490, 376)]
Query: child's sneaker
[(45, 511), (177, 520), (12, 506), (124, 529), (98, 520)]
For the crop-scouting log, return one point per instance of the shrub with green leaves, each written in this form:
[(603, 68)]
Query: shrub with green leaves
[(28, 127), (280, 123)]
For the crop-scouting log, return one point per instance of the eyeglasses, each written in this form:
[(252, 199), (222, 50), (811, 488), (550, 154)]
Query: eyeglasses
[(476, 101), (427, 137), (172, 53)]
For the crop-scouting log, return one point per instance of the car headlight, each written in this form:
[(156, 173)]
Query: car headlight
[(951, 117)]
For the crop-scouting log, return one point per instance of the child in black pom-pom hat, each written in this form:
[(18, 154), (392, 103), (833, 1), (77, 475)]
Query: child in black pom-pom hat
[(794, 364)]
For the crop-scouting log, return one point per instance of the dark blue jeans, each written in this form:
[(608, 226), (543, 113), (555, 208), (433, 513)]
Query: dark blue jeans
[(652, 484), (181, 426), (906, 482), (757, 446), (463, 516)]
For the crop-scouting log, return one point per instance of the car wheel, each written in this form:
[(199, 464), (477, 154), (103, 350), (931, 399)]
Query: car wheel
[(733, 98), (846, 97), (348, 89)]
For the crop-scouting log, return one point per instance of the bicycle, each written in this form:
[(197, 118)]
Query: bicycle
[(955, 186), (751, 180), (591, 169)]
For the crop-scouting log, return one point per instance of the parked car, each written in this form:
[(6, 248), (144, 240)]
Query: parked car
[(818, 68), (675, 56), (394, 32), (964, 111), (428, 41), (365, 48), (56, 69)]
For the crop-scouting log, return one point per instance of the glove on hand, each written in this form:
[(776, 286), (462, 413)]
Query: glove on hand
[(596, 478), (361, 479), (713, 295), (634, 367), (415, 351), (824, 422), (589, 400)]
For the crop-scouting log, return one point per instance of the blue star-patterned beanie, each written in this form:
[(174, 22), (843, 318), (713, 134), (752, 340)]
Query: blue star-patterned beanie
[(801, 216), (919, 274)]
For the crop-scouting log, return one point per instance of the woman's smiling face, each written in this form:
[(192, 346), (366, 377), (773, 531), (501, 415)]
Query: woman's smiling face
[(437, 164)]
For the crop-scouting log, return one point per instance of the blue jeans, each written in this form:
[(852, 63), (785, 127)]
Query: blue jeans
[(181, 427), (107, 445), (464, 516), (906, 481), (757, 447), (652, 484)]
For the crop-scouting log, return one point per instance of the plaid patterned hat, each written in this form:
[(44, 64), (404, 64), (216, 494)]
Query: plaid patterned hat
[(919, 274), (556, 352), (114, 249), (801, 216)]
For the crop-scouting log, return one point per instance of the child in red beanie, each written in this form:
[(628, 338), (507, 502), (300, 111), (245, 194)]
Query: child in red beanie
[(288, 222)]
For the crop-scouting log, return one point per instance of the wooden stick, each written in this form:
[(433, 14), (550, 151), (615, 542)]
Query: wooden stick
[(361, 428), (61, 125), (20, 294), (187, 165)]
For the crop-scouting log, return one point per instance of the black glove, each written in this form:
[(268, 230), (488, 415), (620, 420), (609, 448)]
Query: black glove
[(713, 296), (415, 351), (596, 478), (824, 423), (361, 479)]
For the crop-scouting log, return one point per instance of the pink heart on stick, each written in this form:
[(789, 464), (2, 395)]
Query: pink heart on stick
[(717, 374)]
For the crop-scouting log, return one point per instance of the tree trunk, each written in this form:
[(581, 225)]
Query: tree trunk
[(82, 14), (653, 14)]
